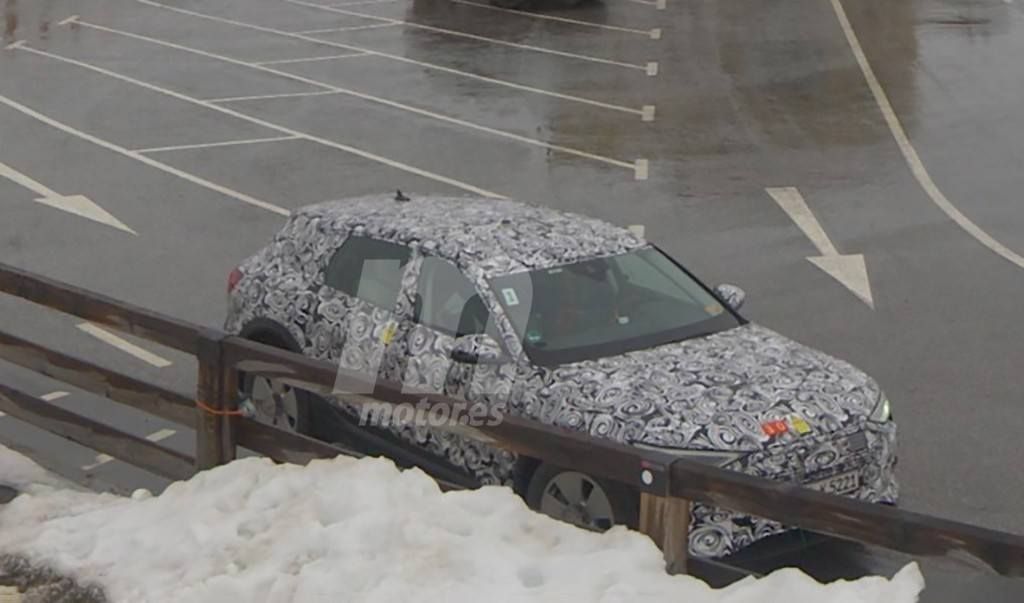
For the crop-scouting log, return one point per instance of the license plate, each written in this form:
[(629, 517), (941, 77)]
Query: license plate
[(844, 483)]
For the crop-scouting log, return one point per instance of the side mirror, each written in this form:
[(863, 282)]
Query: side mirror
[(478, 349), (731, 295)]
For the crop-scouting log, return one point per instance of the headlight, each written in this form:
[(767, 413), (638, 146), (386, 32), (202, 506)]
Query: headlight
[(882, 412), (710, 457)]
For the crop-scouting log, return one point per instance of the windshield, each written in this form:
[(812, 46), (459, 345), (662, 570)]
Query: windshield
[(607, 306)]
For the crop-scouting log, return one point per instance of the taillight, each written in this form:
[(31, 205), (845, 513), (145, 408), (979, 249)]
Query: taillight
[(233, 278)]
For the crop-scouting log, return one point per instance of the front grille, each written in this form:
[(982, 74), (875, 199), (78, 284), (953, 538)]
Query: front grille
[(810, 459), (858, 442)]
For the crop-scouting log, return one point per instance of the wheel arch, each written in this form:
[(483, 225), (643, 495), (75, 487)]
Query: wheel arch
[(522, 473), (270, 332)]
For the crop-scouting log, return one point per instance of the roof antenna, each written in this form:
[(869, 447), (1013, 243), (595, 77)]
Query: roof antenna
[(401, 198)]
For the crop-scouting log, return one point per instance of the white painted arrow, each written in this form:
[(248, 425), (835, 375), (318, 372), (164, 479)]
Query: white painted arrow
[(79, 205), (849, 270)]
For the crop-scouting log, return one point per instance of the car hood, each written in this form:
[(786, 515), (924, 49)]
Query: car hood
[(710, 393)]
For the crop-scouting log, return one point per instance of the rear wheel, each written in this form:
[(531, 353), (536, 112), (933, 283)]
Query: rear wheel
[(277, 404), (580, 499)]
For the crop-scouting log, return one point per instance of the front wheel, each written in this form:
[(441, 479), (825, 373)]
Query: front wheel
[(581, 500)]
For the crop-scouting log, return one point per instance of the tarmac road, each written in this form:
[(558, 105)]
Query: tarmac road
[(897, 122)]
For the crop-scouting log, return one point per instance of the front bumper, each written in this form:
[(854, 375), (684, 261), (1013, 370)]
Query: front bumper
[(869, 448)]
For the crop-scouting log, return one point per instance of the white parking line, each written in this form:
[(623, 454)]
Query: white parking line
[(231, 99), (70, 19), (659, 4), (399, 58), (143, 159), (640, 169), (353, 28), (376, 99), (908, 151), (312, 59), (227, 143), (271, 126), (14, 45), (49, 397), (470, 36), (103, 459), (654, 34), (124, 345)]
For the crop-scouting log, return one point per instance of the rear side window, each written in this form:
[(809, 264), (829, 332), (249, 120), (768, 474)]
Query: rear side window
[(368, 269)]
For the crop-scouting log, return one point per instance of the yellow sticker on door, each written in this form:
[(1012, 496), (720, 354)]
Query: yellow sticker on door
[(388, 333)]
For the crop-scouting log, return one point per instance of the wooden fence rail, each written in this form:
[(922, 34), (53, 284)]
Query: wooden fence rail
[(667, 485), (97, 436), (98, 380)]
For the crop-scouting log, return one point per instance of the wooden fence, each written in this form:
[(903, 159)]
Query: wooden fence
[(666, 484)]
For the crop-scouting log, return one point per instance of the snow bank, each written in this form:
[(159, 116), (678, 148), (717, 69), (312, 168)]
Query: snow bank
[(361, 530), (23, 474)]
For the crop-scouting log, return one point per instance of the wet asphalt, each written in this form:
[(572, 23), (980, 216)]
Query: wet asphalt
[(446, 97)]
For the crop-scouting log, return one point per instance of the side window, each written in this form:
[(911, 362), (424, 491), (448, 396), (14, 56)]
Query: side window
[(368, 269), (448, 302)]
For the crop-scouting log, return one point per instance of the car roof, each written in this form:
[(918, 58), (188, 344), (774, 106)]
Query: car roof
[(495, 236)]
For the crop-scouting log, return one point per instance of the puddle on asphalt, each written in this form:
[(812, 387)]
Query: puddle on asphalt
[(24, 18)]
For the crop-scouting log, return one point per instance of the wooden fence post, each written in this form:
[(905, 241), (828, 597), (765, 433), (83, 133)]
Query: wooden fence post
[(229, 402), (216, 428), (667, 521)]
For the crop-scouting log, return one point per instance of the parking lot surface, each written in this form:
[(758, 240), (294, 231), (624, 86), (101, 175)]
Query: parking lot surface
[(146, 146)]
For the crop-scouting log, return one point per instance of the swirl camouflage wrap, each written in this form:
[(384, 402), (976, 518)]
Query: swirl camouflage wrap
[(773, 407)]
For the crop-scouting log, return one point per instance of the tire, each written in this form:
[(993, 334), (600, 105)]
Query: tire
[(299, 417), (278, 405), (581, 500)]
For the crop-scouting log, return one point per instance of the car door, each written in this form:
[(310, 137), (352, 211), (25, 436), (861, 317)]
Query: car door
[(360, 306), (448, 306)]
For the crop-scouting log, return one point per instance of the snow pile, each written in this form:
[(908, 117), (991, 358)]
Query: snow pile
[(24, 475), (363, 531)]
